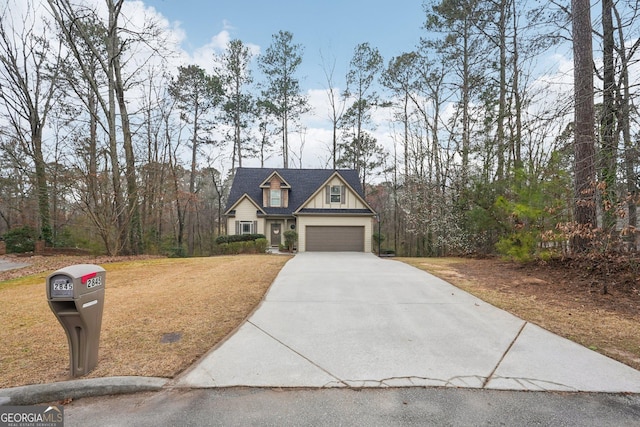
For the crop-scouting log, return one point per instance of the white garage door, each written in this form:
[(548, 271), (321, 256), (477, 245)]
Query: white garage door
[(335, 238)]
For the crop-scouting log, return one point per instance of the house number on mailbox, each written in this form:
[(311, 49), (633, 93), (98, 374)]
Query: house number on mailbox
[(94, 281)]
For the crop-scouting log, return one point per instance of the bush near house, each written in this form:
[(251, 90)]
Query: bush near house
[(261, 245), (231, 238), (290, 239), (242, 244)]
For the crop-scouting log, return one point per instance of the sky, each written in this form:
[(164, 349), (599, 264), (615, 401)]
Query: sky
[(327, 28), (328, 32)]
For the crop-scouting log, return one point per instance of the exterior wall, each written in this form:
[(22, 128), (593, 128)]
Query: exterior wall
[(245, 211), (304, 221), (320, 200)]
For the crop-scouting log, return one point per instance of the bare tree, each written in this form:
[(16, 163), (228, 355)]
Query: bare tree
[(29, 63), (77, 23), (626, 53), (337, 107)]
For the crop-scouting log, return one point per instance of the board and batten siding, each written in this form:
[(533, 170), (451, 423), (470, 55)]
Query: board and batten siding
[(245, 211), (304, 221), (352, 201)]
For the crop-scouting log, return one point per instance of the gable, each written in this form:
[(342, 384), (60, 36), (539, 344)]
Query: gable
[(244, 204), (349, 199), (275, 177)]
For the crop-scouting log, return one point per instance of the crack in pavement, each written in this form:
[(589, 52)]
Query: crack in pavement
[(338, 380), (470, 381), (417, 381), (488, 378), (533, 384)]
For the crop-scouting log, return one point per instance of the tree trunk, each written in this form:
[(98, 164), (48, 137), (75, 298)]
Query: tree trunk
[(43, 188), (502, 97), (466, 88), (609, 141), (517, 138), (134, 231), (584, 144)]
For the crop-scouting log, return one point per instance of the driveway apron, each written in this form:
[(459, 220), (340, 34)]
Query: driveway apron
[(355, 320), (6, 265)]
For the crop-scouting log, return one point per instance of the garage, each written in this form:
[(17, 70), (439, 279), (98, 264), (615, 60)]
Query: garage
[(335, 238)]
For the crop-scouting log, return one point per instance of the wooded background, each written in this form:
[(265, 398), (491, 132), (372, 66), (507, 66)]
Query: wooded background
[(105, 146)]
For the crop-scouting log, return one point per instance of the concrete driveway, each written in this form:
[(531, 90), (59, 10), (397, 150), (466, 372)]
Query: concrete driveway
[(6, 265), (354, 320)]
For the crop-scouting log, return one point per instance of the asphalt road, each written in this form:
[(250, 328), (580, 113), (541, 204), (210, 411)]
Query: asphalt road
[(356, 407)]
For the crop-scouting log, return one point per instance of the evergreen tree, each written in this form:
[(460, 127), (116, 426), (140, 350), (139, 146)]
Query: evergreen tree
[(281, 95)]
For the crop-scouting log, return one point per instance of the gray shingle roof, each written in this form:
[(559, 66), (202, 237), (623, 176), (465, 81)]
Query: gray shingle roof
[(335, 211), (304, 182)]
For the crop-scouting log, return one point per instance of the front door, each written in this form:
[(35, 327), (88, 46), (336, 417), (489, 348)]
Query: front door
[(276, 229)]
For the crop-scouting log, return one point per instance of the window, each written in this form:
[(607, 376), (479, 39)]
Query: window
[(245, 227), (336, 194), (276, 198)]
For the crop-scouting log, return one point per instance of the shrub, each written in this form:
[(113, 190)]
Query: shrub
[(290, 238), (235, 248), (21, 240), (248, 247), (519, 246), (378, 238), (177, 252), (261, 245), (231, 238)]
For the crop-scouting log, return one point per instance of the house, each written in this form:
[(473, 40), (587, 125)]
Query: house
[(325, 207)]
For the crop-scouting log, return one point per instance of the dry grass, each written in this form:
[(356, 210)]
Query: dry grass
[(544, 300), (199, 300)]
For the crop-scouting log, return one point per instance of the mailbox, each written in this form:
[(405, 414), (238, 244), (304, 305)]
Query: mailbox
[(76, 297)]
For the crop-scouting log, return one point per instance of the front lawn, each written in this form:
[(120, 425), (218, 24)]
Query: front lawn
[(160, 316)]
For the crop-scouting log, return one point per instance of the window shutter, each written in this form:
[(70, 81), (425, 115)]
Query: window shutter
[(237, 227), (328, 192), (343, 194), (255, 227)]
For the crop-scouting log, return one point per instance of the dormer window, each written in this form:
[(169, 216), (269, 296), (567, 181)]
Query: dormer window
[(275, 199)]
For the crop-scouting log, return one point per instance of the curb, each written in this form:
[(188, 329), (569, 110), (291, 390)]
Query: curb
[(75, 389)]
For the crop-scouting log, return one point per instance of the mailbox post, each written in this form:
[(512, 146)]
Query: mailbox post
[(76, 297)]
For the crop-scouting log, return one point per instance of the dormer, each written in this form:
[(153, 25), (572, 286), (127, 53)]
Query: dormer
[(275, 191)]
